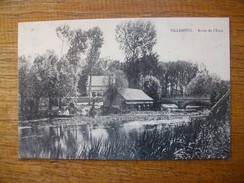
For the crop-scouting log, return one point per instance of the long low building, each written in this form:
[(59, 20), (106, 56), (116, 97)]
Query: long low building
[(131, 99)]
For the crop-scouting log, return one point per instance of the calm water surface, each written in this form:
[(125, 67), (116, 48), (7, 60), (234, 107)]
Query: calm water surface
[(60, 141)]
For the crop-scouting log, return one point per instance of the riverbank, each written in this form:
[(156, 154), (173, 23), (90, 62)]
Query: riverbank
[(138, 139), (119, 119)]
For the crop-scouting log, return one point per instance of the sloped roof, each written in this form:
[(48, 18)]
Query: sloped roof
[(99, 81), (130, 94)]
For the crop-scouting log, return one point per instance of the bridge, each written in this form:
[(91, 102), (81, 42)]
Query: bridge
[(184, 101)]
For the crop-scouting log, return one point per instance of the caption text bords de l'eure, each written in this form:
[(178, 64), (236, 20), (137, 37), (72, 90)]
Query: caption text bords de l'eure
[(196, 30)]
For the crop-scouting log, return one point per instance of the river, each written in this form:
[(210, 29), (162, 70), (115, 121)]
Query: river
[(69, 141)]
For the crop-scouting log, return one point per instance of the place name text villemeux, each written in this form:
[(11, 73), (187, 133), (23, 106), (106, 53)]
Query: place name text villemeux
[(181, 30)]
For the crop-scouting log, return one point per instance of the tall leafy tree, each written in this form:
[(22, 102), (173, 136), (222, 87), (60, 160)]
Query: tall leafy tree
[(205, 84), (132, 70), (76, 40), (63, 33), (65, 78), (136, 39), (24, 70), (218, 89), (152, 87), (46, 76), (162, 76), (179, 74), (201, 84), (149, 64), (95, 39), (118, 82)]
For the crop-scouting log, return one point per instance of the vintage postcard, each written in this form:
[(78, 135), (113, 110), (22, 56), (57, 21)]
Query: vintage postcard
[(124, 89)]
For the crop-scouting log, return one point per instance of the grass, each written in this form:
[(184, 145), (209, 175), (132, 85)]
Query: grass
[(187, 141), (201, 138)]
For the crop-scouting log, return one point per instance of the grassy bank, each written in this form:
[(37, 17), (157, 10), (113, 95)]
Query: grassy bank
[(106, 120), (195, 140), (198, 139)]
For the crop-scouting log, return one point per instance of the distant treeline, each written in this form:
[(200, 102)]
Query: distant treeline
[(49, 75)]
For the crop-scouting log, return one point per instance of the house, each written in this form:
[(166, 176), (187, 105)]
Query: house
[(99, 85), (131, 99)]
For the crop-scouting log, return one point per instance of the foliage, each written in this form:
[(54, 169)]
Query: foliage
[(207, 84), (114, 65), (198, 139), (132, 71), (95, 38), (218, 89), (149, 64), (77, 45), (114, 87), (66, 76), (63, 33), (200, 85), (179, 74), (51, 77), (23, 75), (24, 79), (152, 87), (136, 39), (162, 74)]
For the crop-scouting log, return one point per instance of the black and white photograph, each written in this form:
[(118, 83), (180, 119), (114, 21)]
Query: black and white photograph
[(124, 89)]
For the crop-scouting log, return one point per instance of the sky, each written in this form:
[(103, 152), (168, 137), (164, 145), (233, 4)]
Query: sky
[(199, 40)]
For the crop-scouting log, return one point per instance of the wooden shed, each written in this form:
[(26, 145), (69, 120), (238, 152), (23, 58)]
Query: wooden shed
[(131, 99)]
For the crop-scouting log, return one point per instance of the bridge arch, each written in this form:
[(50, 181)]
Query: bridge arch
[(182, 102), (197, 103), (168, 101)]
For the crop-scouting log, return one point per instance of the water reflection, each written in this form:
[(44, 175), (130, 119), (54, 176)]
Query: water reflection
[(68, 141)]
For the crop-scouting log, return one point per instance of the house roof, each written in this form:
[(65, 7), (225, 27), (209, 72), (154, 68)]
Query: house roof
[(99, 81), (130, 94)]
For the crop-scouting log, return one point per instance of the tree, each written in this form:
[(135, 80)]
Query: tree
[(95, 37), (152, 87), (45, 77), (218, 89), (132, 70), (179, 74), (208, 84), (149, 64), (63, 33), (114, 65), (136, 39), (114, 87), (24, 70), (162, 76), (200, 85), (77, 42), (65, 79)]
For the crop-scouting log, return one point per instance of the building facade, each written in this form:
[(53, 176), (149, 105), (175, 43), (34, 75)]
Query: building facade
[(130, 100), (99, 85)]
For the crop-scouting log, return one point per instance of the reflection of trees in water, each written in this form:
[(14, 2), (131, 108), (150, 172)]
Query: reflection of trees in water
[(84, 130), (194, 140), (114, 131), (55, 144)]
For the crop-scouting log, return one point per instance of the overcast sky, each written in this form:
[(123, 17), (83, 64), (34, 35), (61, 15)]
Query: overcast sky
[(210, 48)]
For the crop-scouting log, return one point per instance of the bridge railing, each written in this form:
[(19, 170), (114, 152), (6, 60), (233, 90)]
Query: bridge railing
[(187, 97)]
